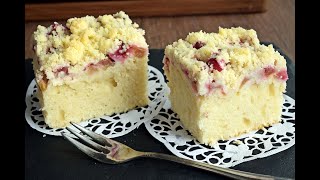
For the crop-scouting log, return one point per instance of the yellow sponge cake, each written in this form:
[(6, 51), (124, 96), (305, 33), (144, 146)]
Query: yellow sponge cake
[(224, 84)]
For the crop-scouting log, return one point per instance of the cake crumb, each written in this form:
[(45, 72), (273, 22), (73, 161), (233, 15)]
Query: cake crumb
[(238, 142), (44, 135)]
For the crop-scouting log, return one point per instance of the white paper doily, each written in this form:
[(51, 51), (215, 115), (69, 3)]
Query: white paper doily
[(110, 126), (167, 128)]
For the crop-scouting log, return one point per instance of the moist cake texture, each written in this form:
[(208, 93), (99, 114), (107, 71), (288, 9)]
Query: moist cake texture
[(90, 67), (225, 84)]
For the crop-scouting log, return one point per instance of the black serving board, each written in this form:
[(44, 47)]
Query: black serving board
[(52, 157)]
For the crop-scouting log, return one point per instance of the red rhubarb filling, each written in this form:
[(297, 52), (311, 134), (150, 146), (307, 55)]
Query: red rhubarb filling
[(198, 45), (215, 64), (270, 70), (166, 63), (211, 86), (122, 53), (282, 74), (62, 71)]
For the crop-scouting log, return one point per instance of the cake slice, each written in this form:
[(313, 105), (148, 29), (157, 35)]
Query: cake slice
[(224, 84), (90, 67)]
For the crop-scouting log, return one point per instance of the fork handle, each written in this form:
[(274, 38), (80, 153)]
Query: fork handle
[(236, 174)]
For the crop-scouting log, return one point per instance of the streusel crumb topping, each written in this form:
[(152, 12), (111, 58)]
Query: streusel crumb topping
[(225, 58), (84, 41)]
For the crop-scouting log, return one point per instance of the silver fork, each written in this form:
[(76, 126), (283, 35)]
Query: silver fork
[(112, 152)]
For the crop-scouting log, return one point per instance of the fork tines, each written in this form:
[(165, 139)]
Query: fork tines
[(99, 145)]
